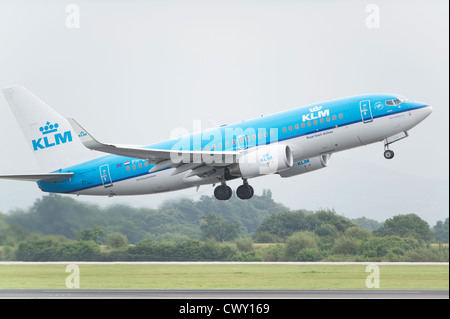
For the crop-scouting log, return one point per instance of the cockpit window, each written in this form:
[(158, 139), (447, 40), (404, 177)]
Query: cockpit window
[(395, 102)]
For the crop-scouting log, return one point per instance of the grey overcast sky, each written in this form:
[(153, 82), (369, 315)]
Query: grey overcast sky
[(132, 71)]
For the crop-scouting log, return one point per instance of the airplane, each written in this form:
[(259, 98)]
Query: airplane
[(288, 143)]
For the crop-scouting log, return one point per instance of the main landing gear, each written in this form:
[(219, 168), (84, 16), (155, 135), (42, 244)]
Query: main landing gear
[(224, 192), (245, 191)]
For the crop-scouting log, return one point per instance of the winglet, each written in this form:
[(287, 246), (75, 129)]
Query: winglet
[(87, 139)]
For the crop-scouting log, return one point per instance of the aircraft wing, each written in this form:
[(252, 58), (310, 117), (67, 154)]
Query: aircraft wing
[(197, 161), (50, 177)]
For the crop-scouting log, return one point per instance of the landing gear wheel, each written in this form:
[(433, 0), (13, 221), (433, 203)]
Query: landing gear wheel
[(388, 154), (223, 192), (245, 191)]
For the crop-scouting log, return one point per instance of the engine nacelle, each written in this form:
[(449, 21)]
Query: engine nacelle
[(307, 165), (263, 160)]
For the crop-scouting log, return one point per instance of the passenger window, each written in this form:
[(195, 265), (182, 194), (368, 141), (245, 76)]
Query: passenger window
[(341, 115), (309, 123), (284, 129), (140, 165), (134, 166), (315, 122), (128, 168), (303, 125), (328, 119), (290, 127), (296, 126), (321, 120), (334, 118)]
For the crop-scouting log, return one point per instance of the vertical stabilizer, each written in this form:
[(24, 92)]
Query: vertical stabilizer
[(50, 136)]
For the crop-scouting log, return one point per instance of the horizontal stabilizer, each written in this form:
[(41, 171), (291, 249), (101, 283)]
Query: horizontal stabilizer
[(48, 177)]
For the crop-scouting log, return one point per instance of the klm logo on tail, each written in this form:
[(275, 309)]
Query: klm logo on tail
[(49, 139)]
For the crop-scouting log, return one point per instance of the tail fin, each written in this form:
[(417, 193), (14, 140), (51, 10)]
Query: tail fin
[(50, 136)]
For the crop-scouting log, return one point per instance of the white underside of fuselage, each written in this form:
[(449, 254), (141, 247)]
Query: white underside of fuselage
[(312, 145)]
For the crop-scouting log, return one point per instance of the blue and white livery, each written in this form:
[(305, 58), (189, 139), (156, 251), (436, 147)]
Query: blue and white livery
[(288, 143)]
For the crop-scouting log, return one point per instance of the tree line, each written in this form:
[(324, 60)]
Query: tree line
[(62, 228)]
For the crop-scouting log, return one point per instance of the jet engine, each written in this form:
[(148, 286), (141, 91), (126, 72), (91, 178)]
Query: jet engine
[(263, 160), (307, 165)]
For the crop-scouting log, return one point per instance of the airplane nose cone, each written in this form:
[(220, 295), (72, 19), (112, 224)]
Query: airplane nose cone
[(425, 112), (421, 110), (428, 110)]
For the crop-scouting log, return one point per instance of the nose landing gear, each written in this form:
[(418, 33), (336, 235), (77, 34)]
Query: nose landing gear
[(388, 154)]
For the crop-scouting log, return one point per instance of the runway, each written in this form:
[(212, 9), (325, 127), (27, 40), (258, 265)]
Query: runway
[(219, 294)]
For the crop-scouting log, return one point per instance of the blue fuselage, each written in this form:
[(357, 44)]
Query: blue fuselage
[(310, 131)]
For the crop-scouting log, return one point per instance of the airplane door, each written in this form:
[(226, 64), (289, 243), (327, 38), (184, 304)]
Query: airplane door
[(366, 111), (105, 176)]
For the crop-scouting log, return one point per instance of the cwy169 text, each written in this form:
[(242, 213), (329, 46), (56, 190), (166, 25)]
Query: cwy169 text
[(228, 308)]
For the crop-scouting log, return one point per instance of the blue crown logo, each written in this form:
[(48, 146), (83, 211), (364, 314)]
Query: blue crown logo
[(48, 128)]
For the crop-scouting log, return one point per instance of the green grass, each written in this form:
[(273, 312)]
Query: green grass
[(223, 276)]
